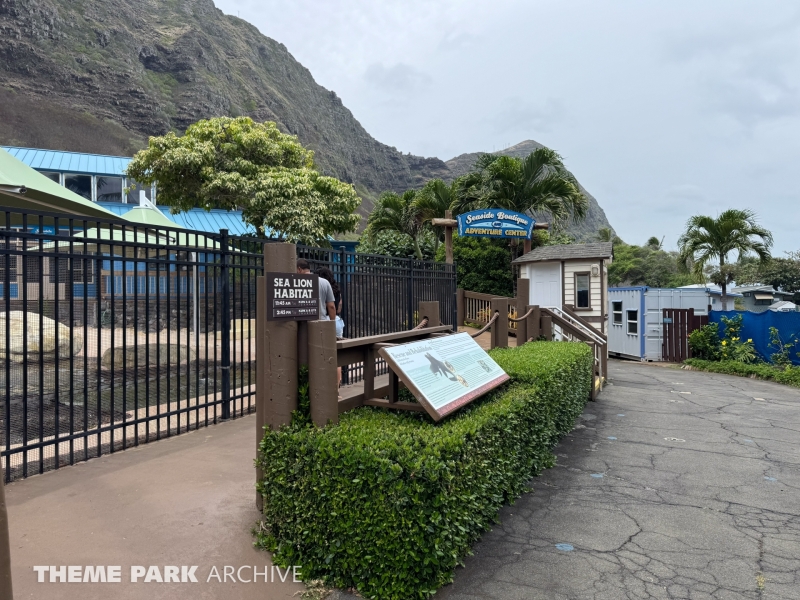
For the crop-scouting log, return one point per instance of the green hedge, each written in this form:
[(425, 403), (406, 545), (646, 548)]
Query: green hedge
[(389, 502), (787, 376)]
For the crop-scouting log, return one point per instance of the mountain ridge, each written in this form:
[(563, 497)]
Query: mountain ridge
[(102, 76)]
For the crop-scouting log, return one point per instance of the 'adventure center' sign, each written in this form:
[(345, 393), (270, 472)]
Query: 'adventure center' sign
[(292, 297), (444, 373), (496, 222)]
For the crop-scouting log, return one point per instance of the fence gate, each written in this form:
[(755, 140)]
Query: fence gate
[(678, 323)]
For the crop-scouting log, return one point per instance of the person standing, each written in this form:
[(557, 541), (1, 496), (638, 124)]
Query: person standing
[(327, 301), (326, 274)]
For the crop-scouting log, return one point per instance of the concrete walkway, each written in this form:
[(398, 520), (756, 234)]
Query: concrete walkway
[(675, 484), (185, 501)]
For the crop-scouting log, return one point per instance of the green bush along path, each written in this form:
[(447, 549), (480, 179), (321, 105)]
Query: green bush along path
[(390, 503)]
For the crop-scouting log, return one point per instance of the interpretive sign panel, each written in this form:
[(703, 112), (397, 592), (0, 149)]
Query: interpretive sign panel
[(496, 222), (444, 373), (292, 297)]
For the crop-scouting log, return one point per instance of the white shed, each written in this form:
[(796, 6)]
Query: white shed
[(573, 274)]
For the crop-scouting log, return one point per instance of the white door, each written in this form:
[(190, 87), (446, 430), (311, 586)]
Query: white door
[(545, 283)]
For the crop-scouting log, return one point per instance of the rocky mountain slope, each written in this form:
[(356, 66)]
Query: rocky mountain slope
[(103, 75)]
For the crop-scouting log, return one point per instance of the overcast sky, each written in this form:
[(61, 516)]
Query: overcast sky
[(662, 110)]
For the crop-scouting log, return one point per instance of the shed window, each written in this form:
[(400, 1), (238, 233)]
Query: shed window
[(633, 321), (616, 312), (582, 296)]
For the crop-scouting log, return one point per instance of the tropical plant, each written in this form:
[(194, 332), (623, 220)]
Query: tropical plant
[(732, 347), (482, 265), (643, 265), (707, 240), (398, 213), (704, 342), (538, 183), (781, 358), (236, 163), (393, 243), (606, 234), (432, 202), (654, 243)]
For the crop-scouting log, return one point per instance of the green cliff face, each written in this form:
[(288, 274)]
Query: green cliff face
[(103, 75)]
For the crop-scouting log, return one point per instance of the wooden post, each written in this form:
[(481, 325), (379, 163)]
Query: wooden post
[(394, 387), (448, 239), (369, 372), (460, 307), (276, 353), (535, 323), (430, 310), (5, 547), (322, 378), (499, 337), (527, 247), (523, 297), (547, 328), (595, 381), (280, 350)]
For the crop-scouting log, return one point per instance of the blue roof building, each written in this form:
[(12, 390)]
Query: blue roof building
[(102, 179)]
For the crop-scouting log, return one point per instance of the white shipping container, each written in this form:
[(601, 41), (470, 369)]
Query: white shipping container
[(636, 328)]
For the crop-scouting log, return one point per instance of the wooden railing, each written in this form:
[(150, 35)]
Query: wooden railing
[(477, 309), (364, 351)]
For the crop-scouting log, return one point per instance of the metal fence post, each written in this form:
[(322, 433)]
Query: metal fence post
[(411, 323), (5, 547), (225, 323), (457, 309)]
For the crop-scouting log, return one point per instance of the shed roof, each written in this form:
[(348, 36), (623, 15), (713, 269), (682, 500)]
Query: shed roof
[(70, 162), (568, 252)]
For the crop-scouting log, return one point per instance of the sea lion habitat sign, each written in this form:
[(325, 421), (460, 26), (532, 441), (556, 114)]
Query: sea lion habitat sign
[(497, 223), (292, 297), (444, 373)]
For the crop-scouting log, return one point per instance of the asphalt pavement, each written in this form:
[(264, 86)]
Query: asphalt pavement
[(674, 484)]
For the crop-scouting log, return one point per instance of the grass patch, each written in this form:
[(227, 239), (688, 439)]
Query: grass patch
[(788, 376)]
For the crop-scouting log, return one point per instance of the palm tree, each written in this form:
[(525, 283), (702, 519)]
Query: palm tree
[(538, 183), (654, 243), (708, 239), (396, 212), (432, 202)]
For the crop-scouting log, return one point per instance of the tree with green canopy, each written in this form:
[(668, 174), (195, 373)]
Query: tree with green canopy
[(236, 163), (781, 273), (707, 240), (397, 213)]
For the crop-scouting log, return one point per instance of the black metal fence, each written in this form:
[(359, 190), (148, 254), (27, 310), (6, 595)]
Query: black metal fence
[(115, 335)]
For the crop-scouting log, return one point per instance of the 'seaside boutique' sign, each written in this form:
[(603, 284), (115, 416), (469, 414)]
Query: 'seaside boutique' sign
[(496, 222)]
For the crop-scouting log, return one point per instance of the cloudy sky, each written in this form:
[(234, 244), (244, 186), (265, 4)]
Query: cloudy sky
[(662, 110)]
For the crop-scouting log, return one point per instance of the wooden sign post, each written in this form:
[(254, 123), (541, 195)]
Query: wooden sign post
[(449, 223)]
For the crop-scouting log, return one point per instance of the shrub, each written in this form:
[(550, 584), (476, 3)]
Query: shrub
[(732, 347), (389, 502), (705, 343), (788, 376), (483, 265), (781, 356)]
